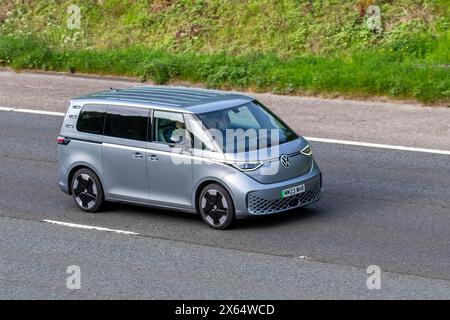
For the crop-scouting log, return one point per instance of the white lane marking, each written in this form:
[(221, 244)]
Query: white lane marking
[(81, 226), (333, 141), (377, 145), (6, 109), (48, 113)]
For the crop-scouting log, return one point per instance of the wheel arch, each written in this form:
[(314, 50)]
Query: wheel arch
[(77, 167), (206, 182)]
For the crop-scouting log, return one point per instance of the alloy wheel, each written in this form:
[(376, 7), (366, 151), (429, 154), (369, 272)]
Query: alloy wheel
[(85, 191), (214, 207)]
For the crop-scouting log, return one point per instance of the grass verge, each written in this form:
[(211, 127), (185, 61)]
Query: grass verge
[(383, 71)]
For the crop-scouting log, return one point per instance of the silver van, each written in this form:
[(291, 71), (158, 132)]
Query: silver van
[(222, 155)]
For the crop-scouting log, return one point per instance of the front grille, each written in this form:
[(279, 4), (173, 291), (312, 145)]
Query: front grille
[(258, 205)]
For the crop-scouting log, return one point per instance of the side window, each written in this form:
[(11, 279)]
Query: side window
[(127, 123), (169, 127), (92, 119)]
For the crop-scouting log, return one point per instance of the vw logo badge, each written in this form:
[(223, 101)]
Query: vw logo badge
[(285, 160)]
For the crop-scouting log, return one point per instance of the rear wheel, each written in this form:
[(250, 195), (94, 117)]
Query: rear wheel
[(87, 190), (216, 207)]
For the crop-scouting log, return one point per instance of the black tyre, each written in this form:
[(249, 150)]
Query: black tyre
[(87, 190), (216, 207)]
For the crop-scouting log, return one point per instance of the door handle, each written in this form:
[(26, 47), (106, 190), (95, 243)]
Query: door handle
[(153, 157), (138, 155)]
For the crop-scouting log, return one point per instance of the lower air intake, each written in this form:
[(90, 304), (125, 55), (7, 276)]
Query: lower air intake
[(258, 205)]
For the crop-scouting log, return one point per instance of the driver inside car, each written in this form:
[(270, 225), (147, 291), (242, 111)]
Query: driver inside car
[(177, 134)]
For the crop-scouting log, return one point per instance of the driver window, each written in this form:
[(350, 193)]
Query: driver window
[(170, 128)]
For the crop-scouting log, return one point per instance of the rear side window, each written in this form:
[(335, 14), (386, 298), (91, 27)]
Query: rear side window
[(127, 123), (92, 119)]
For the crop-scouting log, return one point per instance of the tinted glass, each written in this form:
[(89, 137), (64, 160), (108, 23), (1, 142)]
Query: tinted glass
[(127, 123), (92, 119)]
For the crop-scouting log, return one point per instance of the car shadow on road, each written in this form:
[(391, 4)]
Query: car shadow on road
[(142, 210), (171, 216)]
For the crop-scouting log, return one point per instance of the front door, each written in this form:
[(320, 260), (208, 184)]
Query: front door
[(169, 162)]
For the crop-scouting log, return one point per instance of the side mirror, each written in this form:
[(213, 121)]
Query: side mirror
[(176, 140), (182, 139)]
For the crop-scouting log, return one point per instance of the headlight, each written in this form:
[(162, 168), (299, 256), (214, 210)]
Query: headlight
[(306, 151), (247, 166)]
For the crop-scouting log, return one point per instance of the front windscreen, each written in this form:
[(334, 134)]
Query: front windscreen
[(247, 127)]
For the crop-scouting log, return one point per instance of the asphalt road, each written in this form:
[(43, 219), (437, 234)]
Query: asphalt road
[(380, 207)]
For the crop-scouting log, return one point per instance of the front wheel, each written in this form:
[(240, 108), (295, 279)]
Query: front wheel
[(216, 207), (87, 190)]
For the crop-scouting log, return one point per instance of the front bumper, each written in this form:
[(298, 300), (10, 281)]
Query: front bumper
[(252, 198), (269, 201)]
